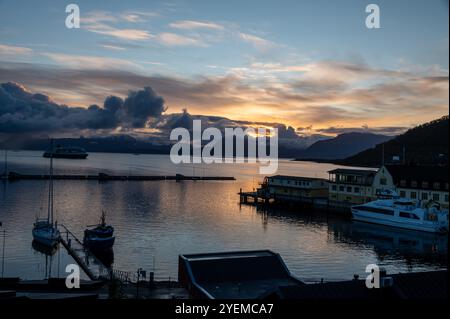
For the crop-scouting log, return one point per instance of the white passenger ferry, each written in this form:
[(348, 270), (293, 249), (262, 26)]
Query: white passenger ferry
[(394, 211)]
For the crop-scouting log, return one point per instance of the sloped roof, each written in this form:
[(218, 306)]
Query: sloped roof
[(419, 174)]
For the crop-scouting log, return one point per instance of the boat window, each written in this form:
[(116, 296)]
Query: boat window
[(408, 215), (404, 203), (375, 210)]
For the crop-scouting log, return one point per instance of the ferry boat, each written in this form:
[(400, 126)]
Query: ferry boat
[(100, 236), (67, 152), (403, 213)]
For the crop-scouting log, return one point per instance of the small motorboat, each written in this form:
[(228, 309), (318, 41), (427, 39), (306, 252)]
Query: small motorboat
[(100, 236)]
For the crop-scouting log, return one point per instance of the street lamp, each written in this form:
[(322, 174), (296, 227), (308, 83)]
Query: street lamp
[(3, 249)]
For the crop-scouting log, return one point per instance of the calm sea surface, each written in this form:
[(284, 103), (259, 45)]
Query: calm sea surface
[(156, 221)]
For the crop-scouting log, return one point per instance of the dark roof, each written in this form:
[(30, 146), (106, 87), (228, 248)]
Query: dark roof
[(298, 178), (419, 174), (242, 274), (360, 172), (354, 289), (421, 285)]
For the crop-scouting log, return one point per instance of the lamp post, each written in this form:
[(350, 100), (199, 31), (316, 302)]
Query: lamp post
[(3, 248)]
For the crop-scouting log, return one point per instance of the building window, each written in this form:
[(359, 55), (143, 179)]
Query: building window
[(424, 184), (341, 188), (446, 198), (436, 197), (333, 187), (413, 195), (413, 183), (402, 194), (349, 189), (424, 196), (436, 185), (403, 183), (383, 181), (356, 189)]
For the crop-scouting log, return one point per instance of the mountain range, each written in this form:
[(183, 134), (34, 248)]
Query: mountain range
[(426, 144), (342, 146)]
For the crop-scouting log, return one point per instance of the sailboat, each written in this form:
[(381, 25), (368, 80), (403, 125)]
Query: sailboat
[(45, 230)]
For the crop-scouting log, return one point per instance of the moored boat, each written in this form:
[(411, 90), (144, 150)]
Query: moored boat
[(45, 230), (403, 213), (100, 236)]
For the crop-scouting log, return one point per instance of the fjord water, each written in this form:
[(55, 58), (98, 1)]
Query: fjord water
[(155, 221)]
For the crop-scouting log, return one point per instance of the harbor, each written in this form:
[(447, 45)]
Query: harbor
[(151, 231), (347, 187)]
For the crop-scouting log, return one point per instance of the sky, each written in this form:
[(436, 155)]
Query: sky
[(310, 65)]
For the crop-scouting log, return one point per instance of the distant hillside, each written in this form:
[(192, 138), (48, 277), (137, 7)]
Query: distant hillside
[(110, 144), (426, 144), (342, 146)]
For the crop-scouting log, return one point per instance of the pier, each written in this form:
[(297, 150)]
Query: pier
[(12, 176), (82, 256)]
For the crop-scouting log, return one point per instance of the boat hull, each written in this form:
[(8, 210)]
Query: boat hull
[(96, 243), (393, 222), (46, 238)]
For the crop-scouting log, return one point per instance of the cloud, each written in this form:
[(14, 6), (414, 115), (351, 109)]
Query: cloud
[(388, 130), (142, 104), (102, 22), (315, 95), (191, 24), (173, 39), (127, 34), (81, 62), (22, 111), (13, 51), (256, 42)]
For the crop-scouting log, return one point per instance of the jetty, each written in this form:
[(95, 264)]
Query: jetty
[(87, 261), (13, 176)]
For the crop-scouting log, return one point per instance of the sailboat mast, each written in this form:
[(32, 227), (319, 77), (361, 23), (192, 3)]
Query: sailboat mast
[(50, 190), (6, 162)]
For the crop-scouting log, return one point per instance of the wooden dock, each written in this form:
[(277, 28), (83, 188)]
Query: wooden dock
[(82, 256), (91, 265), (106, 177)]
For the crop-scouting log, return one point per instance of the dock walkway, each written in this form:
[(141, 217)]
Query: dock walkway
[(91, 265)]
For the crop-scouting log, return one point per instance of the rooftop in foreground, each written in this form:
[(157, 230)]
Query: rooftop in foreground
[(232, 275)]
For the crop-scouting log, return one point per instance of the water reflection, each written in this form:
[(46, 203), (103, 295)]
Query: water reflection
[(390, 243), (105, 257), (48, 253), (44, 249), (413, 247), (157, 221)]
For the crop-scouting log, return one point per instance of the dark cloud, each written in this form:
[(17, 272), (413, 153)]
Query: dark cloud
[(388, 130), (22, 111), (142, 104)]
